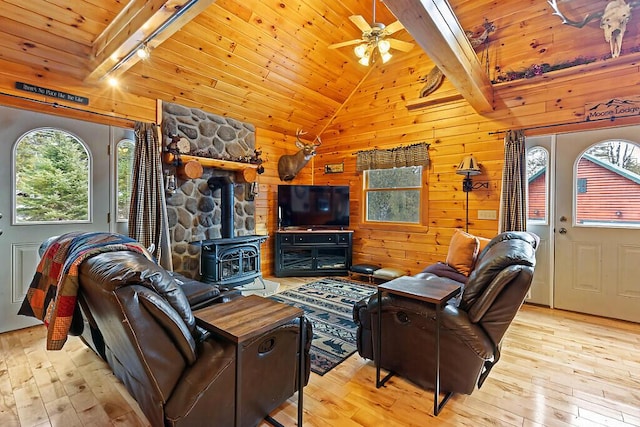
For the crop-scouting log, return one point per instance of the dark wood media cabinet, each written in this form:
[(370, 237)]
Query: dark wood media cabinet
[(313, 252)]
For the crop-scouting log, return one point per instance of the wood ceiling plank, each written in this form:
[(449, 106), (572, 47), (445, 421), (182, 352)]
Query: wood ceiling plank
[(11, 52), (265, 45), (20, 14), (256, 97), (134, 24), (436, 29), (300, 42), (100, 12), (63, 15), (228, 71), (243, 94), (31, 35), (42, 53)]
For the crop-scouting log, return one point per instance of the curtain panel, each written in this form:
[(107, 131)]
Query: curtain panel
[(411, 155), (148, 222), (514, 180)]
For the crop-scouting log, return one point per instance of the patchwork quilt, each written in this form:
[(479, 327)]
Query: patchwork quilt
[(52, 294)]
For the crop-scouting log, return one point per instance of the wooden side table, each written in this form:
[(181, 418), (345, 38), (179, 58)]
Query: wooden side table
[(242, 319), (433, 292)]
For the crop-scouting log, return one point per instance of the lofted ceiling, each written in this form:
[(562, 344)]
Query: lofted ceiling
[(268, 62)]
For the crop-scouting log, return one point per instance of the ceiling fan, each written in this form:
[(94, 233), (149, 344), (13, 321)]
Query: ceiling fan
[(375, 39)]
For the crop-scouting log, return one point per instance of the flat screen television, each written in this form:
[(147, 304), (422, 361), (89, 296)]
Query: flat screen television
[(313, 206)]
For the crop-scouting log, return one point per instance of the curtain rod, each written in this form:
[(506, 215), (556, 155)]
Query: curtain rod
[(611, 119), (68, 107)]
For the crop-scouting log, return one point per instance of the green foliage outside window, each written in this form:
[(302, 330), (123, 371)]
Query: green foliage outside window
[(52, 177), (125, 162), (393, 195)]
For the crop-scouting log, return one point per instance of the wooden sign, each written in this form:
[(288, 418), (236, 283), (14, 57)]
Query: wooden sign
[(612, 108), (52, 93), (334, 168)]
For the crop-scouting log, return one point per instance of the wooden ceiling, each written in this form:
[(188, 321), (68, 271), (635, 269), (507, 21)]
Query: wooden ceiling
[(268, 62)]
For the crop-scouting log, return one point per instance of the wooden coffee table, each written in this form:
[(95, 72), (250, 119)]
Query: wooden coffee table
[(434, 292), (242, 319)]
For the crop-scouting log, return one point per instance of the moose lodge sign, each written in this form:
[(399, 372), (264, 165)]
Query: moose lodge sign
[(612, 109)]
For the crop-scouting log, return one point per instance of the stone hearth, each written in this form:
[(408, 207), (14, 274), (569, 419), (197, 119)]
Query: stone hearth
[(194, 210)]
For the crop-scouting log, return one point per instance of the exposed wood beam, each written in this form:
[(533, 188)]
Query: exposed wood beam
[(140, 20), (436, 29)]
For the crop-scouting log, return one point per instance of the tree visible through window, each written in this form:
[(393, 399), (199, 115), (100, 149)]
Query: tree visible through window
[(51, 177), (125, 151), (393, 195)]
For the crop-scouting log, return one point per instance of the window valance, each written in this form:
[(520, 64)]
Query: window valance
[(410, 155)]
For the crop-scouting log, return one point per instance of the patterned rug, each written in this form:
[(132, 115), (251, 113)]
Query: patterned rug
[(328, 304)]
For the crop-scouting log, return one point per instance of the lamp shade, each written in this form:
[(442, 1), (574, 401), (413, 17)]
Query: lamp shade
[(468, 166)]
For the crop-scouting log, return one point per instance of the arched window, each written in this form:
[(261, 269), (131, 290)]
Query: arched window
[(607, 185), (52, 170), (537, 184), (124, 150)]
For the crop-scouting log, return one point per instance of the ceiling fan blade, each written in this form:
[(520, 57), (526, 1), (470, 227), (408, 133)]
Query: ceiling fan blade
[(400, 45), (361, 23), (393, 27), (343, 44)]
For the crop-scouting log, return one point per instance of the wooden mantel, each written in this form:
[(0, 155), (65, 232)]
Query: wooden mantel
[(246, 172)]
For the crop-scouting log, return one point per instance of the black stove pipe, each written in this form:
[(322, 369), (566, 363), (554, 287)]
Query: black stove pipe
[(226, 203)]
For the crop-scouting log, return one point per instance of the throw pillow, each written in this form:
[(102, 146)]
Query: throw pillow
[(483, 243), (463, 250)]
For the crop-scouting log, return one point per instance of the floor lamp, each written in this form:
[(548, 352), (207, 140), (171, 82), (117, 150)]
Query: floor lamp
[(468, 167)]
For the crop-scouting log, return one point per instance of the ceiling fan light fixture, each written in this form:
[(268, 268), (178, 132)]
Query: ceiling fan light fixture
[(360, 50), (384, 46), (385, 56), (364, 60)]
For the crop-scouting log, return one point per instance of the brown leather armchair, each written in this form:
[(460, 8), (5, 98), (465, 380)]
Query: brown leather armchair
[(472, 327), (138, 319)]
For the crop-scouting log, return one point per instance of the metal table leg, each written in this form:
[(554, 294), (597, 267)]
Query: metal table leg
[(378, 360), (238, 382), (437, 407), (301, 368)]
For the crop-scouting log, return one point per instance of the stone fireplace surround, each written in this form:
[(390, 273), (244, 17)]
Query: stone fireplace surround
[(194, 210)]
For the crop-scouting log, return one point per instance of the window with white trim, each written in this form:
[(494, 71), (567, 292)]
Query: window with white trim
[(393, 195), (52, 170)]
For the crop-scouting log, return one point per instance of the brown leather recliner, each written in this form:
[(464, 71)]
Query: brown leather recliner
[(138, 319), (472, 327)]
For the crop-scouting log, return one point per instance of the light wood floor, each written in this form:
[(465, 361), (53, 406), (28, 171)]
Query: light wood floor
[(557, 369)]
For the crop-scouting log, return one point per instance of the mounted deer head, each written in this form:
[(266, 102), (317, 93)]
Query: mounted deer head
[(290, 164), (613, 20)]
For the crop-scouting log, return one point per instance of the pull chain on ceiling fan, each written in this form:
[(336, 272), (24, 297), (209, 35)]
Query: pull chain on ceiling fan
[(375, 41)]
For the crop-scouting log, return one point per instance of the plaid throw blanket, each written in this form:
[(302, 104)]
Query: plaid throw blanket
[(52, 294)]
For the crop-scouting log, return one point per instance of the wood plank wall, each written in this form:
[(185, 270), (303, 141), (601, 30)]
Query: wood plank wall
[(376, 116)]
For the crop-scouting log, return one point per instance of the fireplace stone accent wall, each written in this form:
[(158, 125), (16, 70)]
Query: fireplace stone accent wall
[(194, 210)]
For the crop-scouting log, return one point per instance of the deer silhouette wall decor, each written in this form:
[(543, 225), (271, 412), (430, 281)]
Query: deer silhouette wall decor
[(290, 164)]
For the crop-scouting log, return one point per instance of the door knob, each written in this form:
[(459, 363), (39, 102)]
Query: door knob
[(563, 230)]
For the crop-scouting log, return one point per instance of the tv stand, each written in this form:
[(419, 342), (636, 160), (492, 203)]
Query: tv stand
[(320, 252)]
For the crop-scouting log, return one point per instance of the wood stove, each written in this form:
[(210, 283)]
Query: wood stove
[(231, 260)]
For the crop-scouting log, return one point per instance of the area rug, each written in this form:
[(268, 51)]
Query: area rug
[(328, 304)]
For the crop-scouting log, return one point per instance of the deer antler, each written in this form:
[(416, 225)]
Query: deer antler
[(300, 132), (578, 24)]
